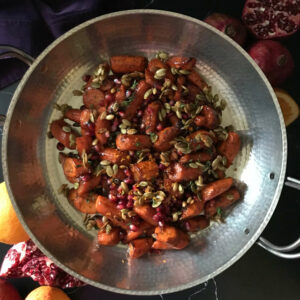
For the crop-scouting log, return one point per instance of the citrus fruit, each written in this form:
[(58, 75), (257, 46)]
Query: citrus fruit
[(47, 293), (289, 107), (11, 230)]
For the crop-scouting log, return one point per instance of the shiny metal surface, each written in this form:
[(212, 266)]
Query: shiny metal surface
[(33, 174)]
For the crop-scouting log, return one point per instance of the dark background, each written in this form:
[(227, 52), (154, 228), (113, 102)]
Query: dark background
[(258, 274)]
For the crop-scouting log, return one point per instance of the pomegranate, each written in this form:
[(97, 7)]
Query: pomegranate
[(232, 27), (8, 291), (268, 19), (26, 260), (274, 59)]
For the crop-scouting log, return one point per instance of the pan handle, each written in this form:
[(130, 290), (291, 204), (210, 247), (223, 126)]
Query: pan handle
[(12, 52), (282, 251)]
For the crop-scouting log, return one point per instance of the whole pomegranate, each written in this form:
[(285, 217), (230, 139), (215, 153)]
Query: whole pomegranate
[(234, 28), (274, 59), (8, 291), (269, 19), (26, 260)]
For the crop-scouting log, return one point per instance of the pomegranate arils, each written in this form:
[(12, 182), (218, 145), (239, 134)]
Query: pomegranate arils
[(60, 147), (271, 19)]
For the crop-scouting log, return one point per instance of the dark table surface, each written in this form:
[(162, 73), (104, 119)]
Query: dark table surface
[(258, 274)]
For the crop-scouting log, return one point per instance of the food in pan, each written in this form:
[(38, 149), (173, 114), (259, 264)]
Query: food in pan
[(149, 155)]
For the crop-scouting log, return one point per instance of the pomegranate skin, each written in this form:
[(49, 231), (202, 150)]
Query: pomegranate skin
[(232, 27), (8, 291), (274, 59)]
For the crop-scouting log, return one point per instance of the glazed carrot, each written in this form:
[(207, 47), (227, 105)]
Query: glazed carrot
[(193, 209), (73, 167), (144, 171), (158, 245), (115, 156), (139, 247), (121, 94), (109, 209), (193, 91), (102, 128), (120, 174), (73, 115), (86, 186), (155, 64), (110, 238), (107, 85), (127, 142), (93, 98), (150, 117), (201, 156), (85, 117), (174, 121), (207, 118), (146, 212), (195, 224), (223, 201), (149, 78), (196, 79), (168, 186), (179, 172), (85, 203), (178, 92), (83, 143), (216, 188), (144, 228), (230, 147), (127, 64), (171, 235), (137, 101), (165, 136), (180, 62), (58, 130)]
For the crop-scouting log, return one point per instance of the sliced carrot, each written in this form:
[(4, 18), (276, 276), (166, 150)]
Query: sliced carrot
[(110, 238), (139, 247), (83, 143), (73, 167), (216, 188)]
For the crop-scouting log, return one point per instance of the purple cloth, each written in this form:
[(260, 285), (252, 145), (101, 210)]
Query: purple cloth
[(31, 25)]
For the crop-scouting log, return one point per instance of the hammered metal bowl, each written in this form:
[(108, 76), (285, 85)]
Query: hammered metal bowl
[(33, 174)]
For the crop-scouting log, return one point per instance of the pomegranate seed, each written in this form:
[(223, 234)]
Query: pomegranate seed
[(161, 223), (121, 114), (130, 197), (109, 181), (82, 107), (172, 102), (140, 113), (159, 127), (135, 220), (109, 98), (85, 177), (128, 180), (128, 93), (117, 81), (121, 197), (131, 153), (187, 226), (133, 227), (60, 147), (97, 148), (129, 204), (107, 134), (86, 77), (135, 120), (127, 173), (120, 206), (112, 198), (90, 126), (155, 218), (119, 189), (162, 167), (185, 116), (142, 126)]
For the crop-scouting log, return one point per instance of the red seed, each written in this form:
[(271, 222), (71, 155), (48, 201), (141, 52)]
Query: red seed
[(128, 93), (159, 127), (85, 177), (133, 227), (60, 147), (129, 204), (162, 167), (127, 173), (117, 81), (128, 180), (120, 206), (112, 198), (86, 77), (109, 98), (130, 197), (121, 114), (140, 113)]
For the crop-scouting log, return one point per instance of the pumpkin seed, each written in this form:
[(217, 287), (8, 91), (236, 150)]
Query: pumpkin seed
[(84, 158), (109, 171), (108, 229), (200, 97), (189, 199), (167, 106), (175, 186), (113, 90), (66, 129), (72, 139), (148, 93), (104, 162), (123, 131), (184, 72), (115, 169), (178, 114), (92, 119), (95, 142), (115, 107), (110, 117), (175, 217), (193, 165), (174, 87), (163, 113), (95, 85), (163, 56), (77, 93), (126, 80), (174, 71), (184, 204), (223, 104), (76, 185), (160, 116), (124, 187), (103, 115), (180, 189), (160, 73), (154, 91), (143, 183), (224, 160), (131, 131), (126, 122)]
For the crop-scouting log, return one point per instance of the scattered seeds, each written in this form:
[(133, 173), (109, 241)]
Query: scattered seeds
[(180, 189), (126, 122), (193, 165), (143, 183)]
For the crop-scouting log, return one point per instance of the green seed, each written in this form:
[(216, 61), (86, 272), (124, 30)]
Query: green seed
[(66, 129), (104, 162), (109, 171)]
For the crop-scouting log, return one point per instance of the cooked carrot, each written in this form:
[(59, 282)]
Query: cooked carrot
[(93, 98), (74, 167), (155, 64), (109, 209), (144, 229), (193, 209), (216, 188), (230, 147), (201, 156), (137, 101), (73, 115), (179, 172), (165, 136), (85, 203), (208, 118), (127, 64), (87, 186), (196, 79), (149, 78), (220, 174), (168, 186), (66, 138), (107, 85), (193, 91), (83, 143), (178, 92), (180, 62), (158, 245), (174, 121), (102, 128), (110, 238), (223, 201), (146, 212), (85, 117), (139, 247), (121, 94), (127, 142), (195, 224), (150, 117), (115, 156), (144, 170)]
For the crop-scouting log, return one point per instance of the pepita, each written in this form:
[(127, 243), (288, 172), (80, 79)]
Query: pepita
[(110, 117), (109, 171), (66, 129), (115, 169), (104, 162)]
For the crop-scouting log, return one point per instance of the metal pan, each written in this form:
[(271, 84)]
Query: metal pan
[(33, 174)]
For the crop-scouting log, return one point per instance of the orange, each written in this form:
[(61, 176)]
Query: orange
[(47, 293), (11, 230), (289, 107)]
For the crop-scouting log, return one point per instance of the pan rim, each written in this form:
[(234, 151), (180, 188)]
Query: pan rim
[(246, 246)]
